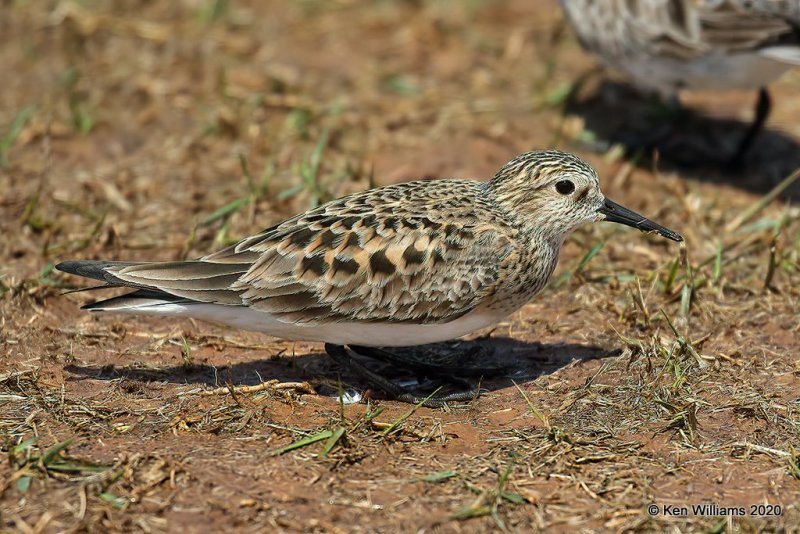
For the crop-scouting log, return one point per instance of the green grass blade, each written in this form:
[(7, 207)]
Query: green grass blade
[(55, 450), (399, 421), (286, 194), (794, 463), (120, 503), (316, 156), (584, 261), (468, 512), (439, 476), (539, 415), (76, 467), (24, 447), (226, 211), (588, 257), (671, 276), (336, 435), (762, 203), (14, 130), (512, 497), (24, 483), (299, 444), (717, 271)]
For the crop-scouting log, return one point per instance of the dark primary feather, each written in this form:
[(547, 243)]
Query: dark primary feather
[(94, 269)]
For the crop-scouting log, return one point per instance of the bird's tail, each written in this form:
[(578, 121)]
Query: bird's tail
[(160, 286)]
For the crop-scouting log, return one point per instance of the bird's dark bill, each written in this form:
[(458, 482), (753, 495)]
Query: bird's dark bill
[(613, 212)]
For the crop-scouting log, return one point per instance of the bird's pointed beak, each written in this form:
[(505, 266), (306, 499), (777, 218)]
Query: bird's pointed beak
[(613, 212)]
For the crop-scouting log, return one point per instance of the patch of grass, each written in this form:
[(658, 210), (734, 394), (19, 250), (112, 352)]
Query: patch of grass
[(440, 476), (536, 413), (794, 463), (684, 345), (639, 301), (683, 420), (305, 442), (80, 107), (488, 501), (758, 206), (402, 85), (186, 354), (309, 172), (298, 121), (14, 130), (596, 435), (580, 266), (256, 190), (395, 425), (27, 462), (213, 10)]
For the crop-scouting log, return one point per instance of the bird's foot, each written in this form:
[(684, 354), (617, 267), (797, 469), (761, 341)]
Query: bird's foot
[(341, 355), (443, 368)]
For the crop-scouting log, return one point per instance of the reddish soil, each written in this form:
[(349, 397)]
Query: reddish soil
[(122, 131)]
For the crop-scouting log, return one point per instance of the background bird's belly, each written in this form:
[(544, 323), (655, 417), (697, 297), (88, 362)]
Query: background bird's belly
[(367, 334), (710, 72)]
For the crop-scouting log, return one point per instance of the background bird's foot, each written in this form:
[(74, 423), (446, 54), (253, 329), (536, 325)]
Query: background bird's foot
[(762, 110)]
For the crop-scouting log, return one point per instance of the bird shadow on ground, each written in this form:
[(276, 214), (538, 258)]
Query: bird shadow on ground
[(495, 363), (698, 146)]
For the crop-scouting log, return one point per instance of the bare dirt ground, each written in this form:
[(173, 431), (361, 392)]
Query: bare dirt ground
[(165, 130)]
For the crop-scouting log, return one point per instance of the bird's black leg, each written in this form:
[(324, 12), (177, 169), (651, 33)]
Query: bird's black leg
[(763, 107), (439, 375), (438, 370), (343, 358)]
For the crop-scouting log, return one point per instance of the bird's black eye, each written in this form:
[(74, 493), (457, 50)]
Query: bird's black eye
[(565, 187)]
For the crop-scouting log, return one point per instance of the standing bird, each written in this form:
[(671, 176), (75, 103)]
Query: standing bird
[(401, 265), (668, 45)]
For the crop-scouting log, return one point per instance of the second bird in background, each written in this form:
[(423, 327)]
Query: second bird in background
[(669, 45)]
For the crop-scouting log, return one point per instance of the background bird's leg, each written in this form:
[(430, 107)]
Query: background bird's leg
[(763, 107), (343, 358)]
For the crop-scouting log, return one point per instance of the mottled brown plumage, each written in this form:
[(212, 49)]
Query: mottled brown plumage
[(390, 254)]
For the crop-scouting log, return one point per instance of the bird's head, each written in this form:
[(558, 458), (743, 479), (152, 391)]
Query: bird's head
[(552, 193)]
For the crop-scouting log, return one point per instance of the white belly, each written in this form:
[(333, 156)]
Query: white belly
[(367, 334)]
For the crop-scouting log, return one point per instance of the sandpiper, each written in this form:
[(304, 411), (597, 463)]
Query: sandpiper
[(668, 45), (400, 265)]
